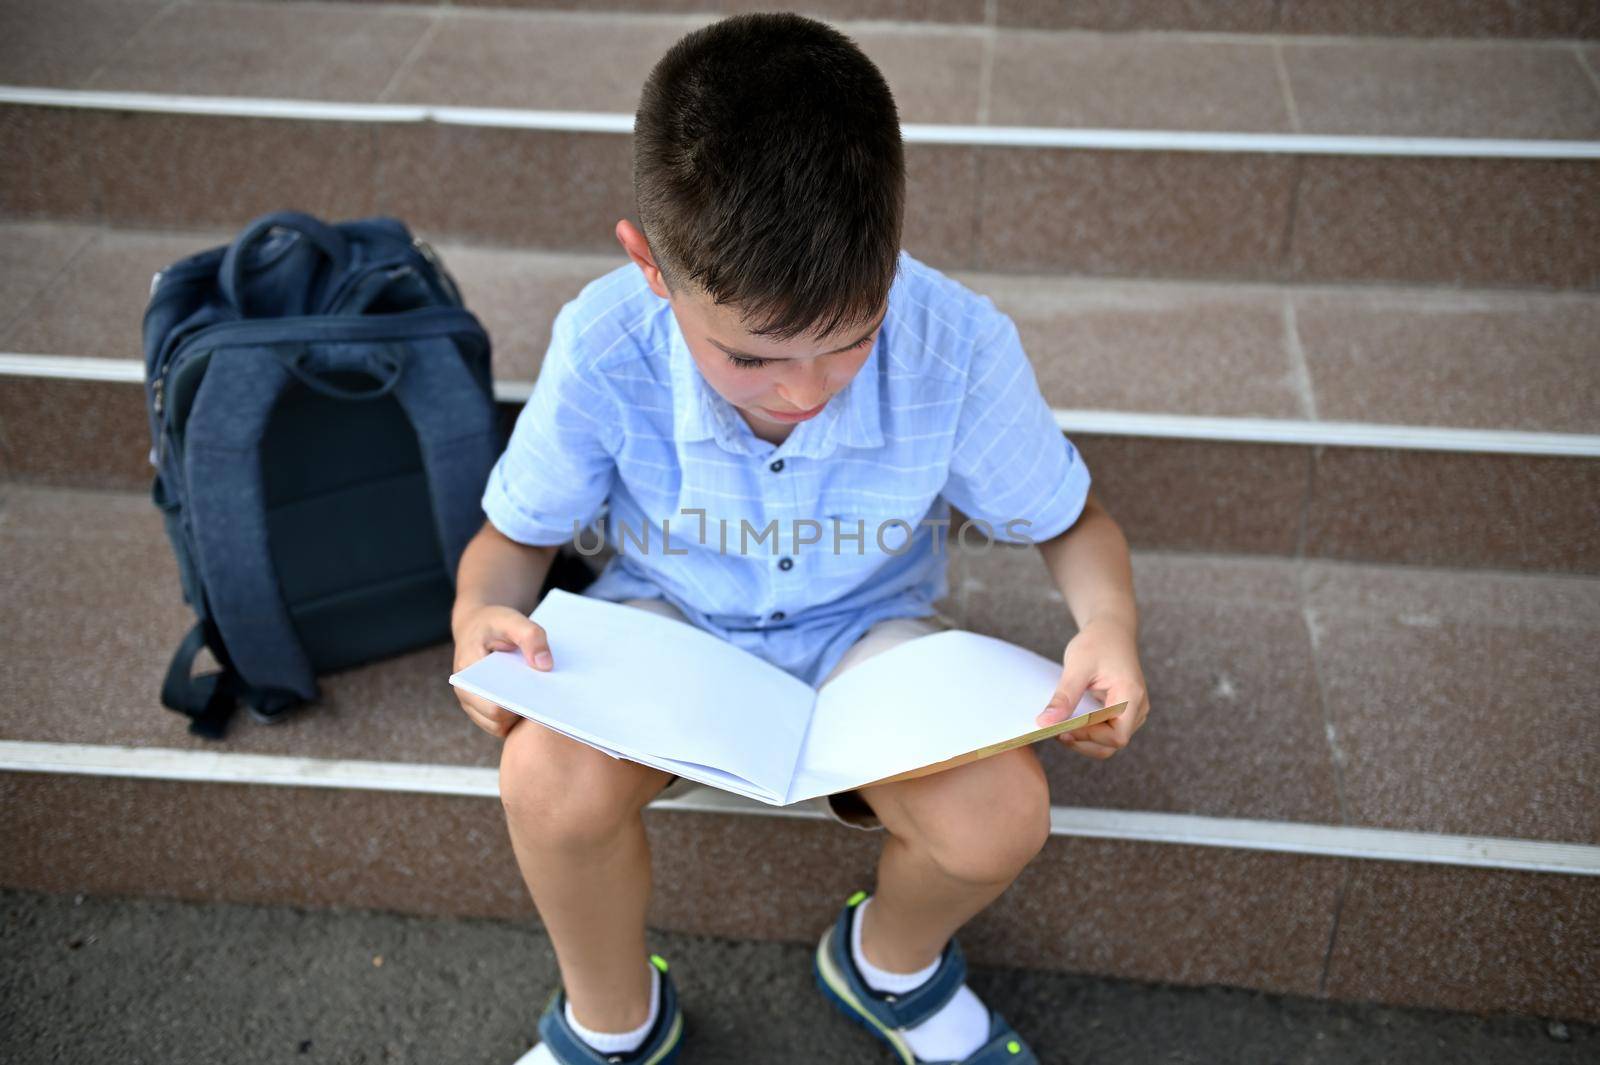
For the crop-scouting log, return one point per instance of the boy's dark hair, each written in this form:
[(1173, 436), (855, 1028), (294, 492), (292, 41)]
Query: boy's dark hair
[(769, 173)]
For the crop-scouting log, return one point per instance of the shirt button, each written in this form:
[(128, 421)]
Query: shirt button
[(786, 563), (776, 467), (778, 615)]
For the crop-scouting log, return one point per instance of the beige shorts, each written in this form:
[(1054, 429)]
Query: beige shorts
[(846, 807)]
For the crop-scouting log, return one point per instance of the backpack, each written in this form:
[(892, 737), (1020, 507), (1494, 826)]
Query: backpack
[(323, 423)]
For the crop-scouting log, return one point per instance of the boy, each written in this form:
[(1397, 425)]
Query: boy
[(770, 365)]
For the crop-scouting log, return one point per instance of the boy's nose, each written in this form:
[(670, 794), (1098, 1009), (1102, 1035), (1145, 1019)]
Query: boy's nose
[(805, 389)]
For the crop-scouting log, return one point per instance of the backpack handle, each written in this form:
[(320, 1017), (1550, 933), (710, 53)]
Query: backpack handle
[(325, 237), (382, 364)]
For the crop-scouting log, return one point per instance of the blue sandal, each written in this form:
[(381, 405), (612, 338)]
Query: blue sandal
[(660, 1047), (881, 1013)]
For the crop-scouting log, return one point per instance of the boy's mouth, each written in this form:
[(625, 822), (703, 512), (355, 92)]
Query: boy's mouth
[(794, 416)]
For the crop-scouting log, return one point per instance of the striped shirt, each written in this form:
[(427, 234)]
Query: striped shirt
[(790, 551)]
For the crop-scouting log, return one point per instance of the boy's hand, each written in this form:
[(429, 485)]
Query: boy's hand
[(1102, 658), (496, 628)]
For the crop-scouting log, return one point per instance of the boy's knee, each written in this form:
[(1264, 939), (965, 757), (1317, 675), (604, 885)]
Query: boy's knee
[(560, 791), (993, 842)]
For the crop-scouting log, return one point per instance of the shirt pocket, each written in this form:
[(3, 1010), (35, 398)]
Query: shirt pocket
[(887, 524)]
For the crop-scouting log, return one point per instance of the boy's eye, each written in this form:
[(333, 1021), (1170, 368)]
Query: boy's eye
[(751, 364)]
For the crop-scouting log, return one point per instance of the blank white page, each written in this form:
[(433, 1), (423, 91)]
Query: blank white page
[(641, 683), (925, 701)]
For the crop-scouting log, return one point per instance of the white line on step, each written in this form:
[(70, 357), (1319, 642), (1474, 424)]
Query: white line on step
[(1281, 837), (1141, 140)]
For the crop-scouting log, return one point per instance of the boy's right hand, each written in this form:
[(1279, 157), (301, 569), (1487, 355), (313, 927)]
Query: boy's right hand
[(497, 628)]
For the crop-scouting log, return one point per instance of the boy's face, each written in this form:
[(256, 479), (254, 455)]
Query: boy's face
[(773, 383)]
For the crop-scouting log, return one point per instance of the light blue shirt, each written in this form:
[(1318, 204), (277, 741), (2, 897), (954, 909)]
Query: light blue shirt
[(790, 551)]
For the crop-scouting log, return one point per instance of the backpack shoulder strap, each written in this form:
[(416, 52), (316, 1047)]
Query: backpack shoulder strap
[(456, 429), (227, 509)]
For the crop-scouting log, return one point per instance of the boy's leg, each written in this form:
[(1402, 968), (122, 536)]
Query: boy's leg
[(574, 815), (956, 841)]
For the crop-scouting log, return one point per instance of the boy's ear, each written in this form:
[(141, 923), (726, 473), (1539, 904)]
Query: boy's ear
[(638, 248)]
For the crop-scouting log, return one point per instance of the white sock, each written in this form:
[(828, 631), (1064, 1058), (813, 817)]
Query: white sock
[(960, 1027), (621, 1042)]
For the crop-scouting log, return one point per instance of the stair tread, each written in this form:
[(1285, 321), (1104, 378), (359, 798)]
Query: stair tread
[(947, 74), (1284, 690), (1384, 355)]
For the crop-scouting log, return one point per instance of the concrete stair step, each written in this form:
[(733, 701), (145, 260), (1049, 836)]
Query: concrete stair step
[(1189, 155), (1214, 417), (1292, 819), (1433, 18)]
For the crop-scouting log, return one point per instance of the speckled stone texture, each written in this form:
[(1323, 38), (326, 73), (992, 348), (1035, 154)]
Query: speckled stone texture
[(1416, 18), (1525, 512), (31, 254), (52, 179), (144, 167), (425, 854), (92, 300), (1205, 916), (942, 204), (1443, 18), (1201, 495), (1172, 214), (955, 11), (1477, 360), (1162, 347), (1462, 703), (1453, 938), (308, 51), (1403, 88), (529, 60), (1489, 942), (1462, 221), (47, 42), (506, 187), (1119, 16), (84, 434), (1136, 82)]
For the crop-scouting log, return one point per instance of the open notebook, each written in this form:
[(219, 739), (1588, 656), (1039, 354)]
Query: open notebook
[(655, 690)]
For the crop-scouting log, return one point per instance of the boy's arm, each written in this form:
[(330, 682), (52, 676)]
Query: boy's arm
[(1089, 563), (496, 570)]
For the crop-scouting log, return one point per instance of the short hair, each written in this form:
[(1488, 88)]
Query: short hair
[(768, 172)]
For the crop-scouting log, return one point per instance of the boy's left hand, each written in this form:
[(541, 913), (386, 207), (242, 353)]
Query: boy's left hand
[(1103, 659)]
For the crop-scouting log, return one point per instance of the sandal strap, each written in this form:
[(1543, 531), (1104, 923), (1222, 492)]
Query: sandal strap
[(913, 1007), (569, 1049), (997, 1051)]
